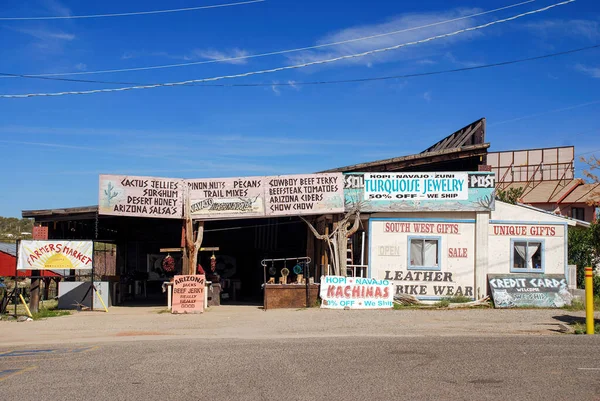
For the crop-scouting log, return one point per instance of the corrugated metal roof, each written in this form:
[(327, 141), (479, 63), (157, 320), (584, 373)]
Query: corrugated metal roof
[(584, 193), (8, 248), (544, 191)]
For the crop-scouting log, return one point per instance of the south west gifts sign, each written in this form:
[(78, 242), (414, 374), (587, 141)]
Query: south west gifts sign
[(538, 290)]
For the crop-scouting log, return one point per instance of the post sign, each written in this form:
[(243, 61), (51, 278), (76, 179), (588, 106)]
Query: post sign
[(531, 290), (293, 195), (140, 196), (411, 192), (226, 197), (188, 294), (55, 255), (339, 292)]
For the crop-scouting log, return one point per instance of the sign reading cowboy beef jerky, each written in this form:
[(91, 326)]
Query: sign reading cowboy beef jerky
[(304, 194), (140, 196), (539, 290), (226, 197)]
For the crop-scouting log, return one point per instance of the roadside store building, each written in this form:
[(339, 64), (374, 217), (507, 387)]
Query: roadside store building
[(430, 224)]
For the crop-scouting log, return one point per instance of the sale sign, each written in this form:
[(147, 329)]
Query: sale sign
[(188, 294), (339, 292)]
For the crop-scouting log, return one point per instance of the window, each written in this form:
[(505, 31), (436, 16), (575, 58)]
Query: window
[(424, 253), (578, 213), (527, 256)]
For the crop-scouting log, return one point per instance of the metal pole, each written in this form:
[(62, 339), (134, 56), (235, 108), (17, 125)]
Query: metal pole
[(362, 250), (16, 276), (93, 292), (589, 300)]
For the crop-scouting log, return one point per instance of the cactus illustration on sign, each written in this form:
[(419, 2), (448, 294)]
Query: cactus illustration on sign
[(110, 193)]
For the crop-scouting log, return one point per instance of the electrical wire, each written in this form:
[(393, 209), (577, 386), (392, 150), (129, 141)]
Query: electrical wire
[(249, 56), (175, 10), (339, 81), (289, 67)]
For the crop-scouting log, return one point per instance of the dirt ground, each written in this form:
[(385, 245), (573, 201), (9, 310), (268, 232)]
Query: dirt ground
[(245, 322)]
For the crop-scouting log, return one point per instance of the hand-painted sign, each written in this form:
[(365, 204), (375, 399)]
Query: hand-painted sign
[(411, 192), (188, 294), (141, 196), (226, 197), (55, 255), (535, 290), (294, 195), (416, 186), (356, 293), (512, 230)]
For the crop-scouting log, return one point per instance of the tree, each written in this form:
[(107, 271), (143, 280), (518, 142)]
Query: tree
[(337, 240), (192, 245), (584, 249), (512, 195)]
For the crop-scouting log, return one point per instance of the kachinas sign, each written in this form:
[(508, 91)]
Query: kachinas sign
[(339, 292)]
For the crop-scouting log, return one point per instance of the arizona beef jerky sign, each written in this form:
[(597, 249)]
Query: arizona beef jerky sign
[(304, 194), (141, 196)]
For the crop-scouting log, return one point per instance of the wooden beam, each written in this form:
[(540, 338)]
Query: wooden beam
[(205, 249)]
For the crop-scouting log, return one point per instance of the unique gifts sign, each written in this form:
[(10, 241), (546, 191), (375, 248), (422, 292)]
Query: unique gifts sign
[(356, 293), (531, 290), (227, 197), (140, 196), (188, 294), (55, 255)]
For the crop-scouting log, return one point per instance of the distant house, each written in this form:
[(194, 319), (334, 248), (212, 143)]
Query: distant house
[(8, 259), (547, 179)]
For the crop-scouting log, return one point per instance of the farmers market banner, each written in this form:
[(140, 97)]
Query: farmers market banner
[(53, 255), (531, 290), (339, 292)]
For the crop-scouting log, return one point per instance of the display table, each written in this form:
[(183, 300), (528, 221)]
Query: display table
[(289, 295)]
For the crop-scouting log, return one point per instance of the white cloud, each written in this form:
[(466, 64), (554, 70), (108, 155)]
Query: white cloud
[(463, 63), (398, 23), (561, 28), (46, 34), (593, 72), (57, 8), (427, 96), (275, 89), (426, 61), (81, 67), (230, 55)]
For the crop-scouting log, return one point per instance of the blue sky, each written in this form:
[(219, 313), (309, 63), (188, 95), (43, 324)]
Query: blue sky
[(54, 148)]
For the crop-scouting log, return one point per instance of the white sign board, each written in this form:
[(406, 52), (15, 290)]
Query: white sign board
[(416, 186), (293, 195), (226, 197), (141, 196), (356, 293), (55, 255)]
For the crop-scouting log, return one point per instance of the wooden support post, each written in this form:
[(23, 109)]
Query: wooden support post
[(34, 292), (184, 260)]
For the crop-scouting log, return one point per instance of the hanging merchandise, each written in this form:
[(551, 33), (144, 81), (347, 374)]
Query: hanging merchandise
[(213, 263), (168, 264), (298, 269)]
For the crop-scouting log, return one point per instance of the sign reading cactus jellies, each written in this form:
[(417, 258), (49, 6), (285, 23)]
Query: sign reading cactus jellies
[(141, 196)]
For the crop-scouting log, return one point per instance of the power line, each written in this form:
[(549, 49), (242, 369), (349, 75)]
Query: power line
[(249, 56), (174, 10), (546, 112), (284, 68), (355, 80)]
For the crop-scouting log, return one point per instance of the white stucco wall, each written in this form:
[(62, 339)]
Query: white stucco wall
[(389, 253)]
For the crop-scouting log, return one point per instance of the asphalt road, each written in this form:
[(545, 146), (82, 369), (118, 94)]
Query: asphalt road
[(520, 368)]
